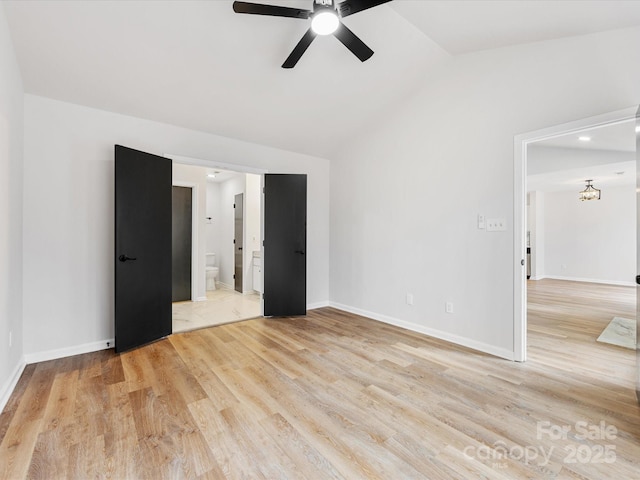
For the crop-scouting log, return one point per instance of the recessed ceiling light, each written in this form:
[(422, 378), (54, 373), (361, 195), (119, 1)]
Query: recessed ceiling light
[(211, 175), (584, 138), (638, 129)]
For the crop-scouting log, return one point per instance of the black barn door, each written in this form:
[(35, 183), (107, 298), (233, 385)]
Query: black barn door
[(285, 245), (142, 248)]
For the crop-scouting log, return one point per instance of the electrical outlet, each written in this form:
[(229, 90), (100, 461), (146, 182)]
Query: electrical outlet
[(409, 299), (481, 222), (448, 307)]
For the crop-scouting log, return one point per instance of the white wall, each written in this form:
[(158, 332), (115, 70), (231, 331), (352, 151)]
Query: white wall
[(252, 216), (68, 214), (223, 228), (591, 241), (196, 177), (213, 211), (11, 204), (406, 196)]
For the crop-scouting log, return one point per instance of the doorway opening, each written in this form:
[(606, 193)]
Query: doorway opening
[(224, 253), (555, 160), (143, 243)]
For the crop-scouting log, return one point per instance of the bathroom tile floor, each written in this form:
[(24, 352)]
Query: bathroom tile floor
[(223, 305)]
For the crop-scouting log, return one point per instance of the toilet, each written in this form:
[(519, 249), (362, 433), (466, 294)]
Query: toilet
[(211, 271)]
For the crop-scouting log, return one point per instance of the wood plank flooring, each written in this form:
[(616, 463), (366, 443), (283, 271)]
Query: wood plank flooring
[(337, 396)]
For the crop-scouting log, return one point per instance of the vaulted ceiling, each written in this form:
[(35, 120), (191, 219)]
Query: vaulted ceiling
[(199, 65)]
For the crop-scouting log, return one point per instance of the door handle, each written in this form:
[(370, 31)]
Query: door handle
[(239, 248), (124, 258), (301, 252)]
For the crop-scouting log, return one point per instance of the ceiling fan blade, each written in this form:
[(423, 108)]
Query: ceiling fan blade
[(300, 48), (273, 10), (349, 7), (353, 43)]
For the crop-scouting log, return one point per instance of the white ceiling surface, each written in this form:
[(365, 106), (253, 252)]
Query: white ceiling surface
[(619, 138), (221, 176), (604, 176), (199, 65), (463, 26)]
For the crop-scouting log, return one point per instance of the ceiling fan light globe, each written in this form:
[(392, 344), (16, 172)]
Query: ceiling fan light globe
[(325, 23)]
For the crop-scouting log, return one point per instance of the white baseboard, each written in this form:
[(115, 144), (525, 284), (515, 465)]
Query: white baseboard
[(449, 337), (313, 306), (69, 351), (589, 280), (10, 385), (201, 299)]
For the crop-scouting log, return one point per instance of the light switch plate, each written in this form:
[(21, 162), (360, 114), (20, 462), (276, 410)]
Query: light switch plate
[(496, 225)]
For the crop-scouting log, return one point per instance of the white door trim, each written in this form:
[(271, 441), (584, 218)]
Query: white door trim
[(520, 144)]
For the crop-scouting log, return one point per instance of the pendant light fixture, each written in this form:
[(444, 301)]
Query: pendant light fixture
[(589, 193)]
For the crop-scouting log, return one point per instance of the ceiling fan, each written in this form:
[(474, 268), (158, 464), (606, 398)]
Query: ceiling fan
[(325, 20)]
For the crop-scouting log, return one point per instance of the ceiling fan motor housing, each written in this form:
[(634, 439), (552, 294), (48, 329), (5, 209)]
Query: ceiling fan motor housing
[(319, 5), (324, 19)]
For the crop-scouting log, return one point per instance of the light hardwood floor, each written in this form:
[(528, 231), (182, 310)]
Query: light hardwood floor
[(334, 395)]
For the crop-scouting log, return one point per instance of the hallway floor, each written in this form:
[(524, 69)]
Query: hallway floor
[(223, 305)]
